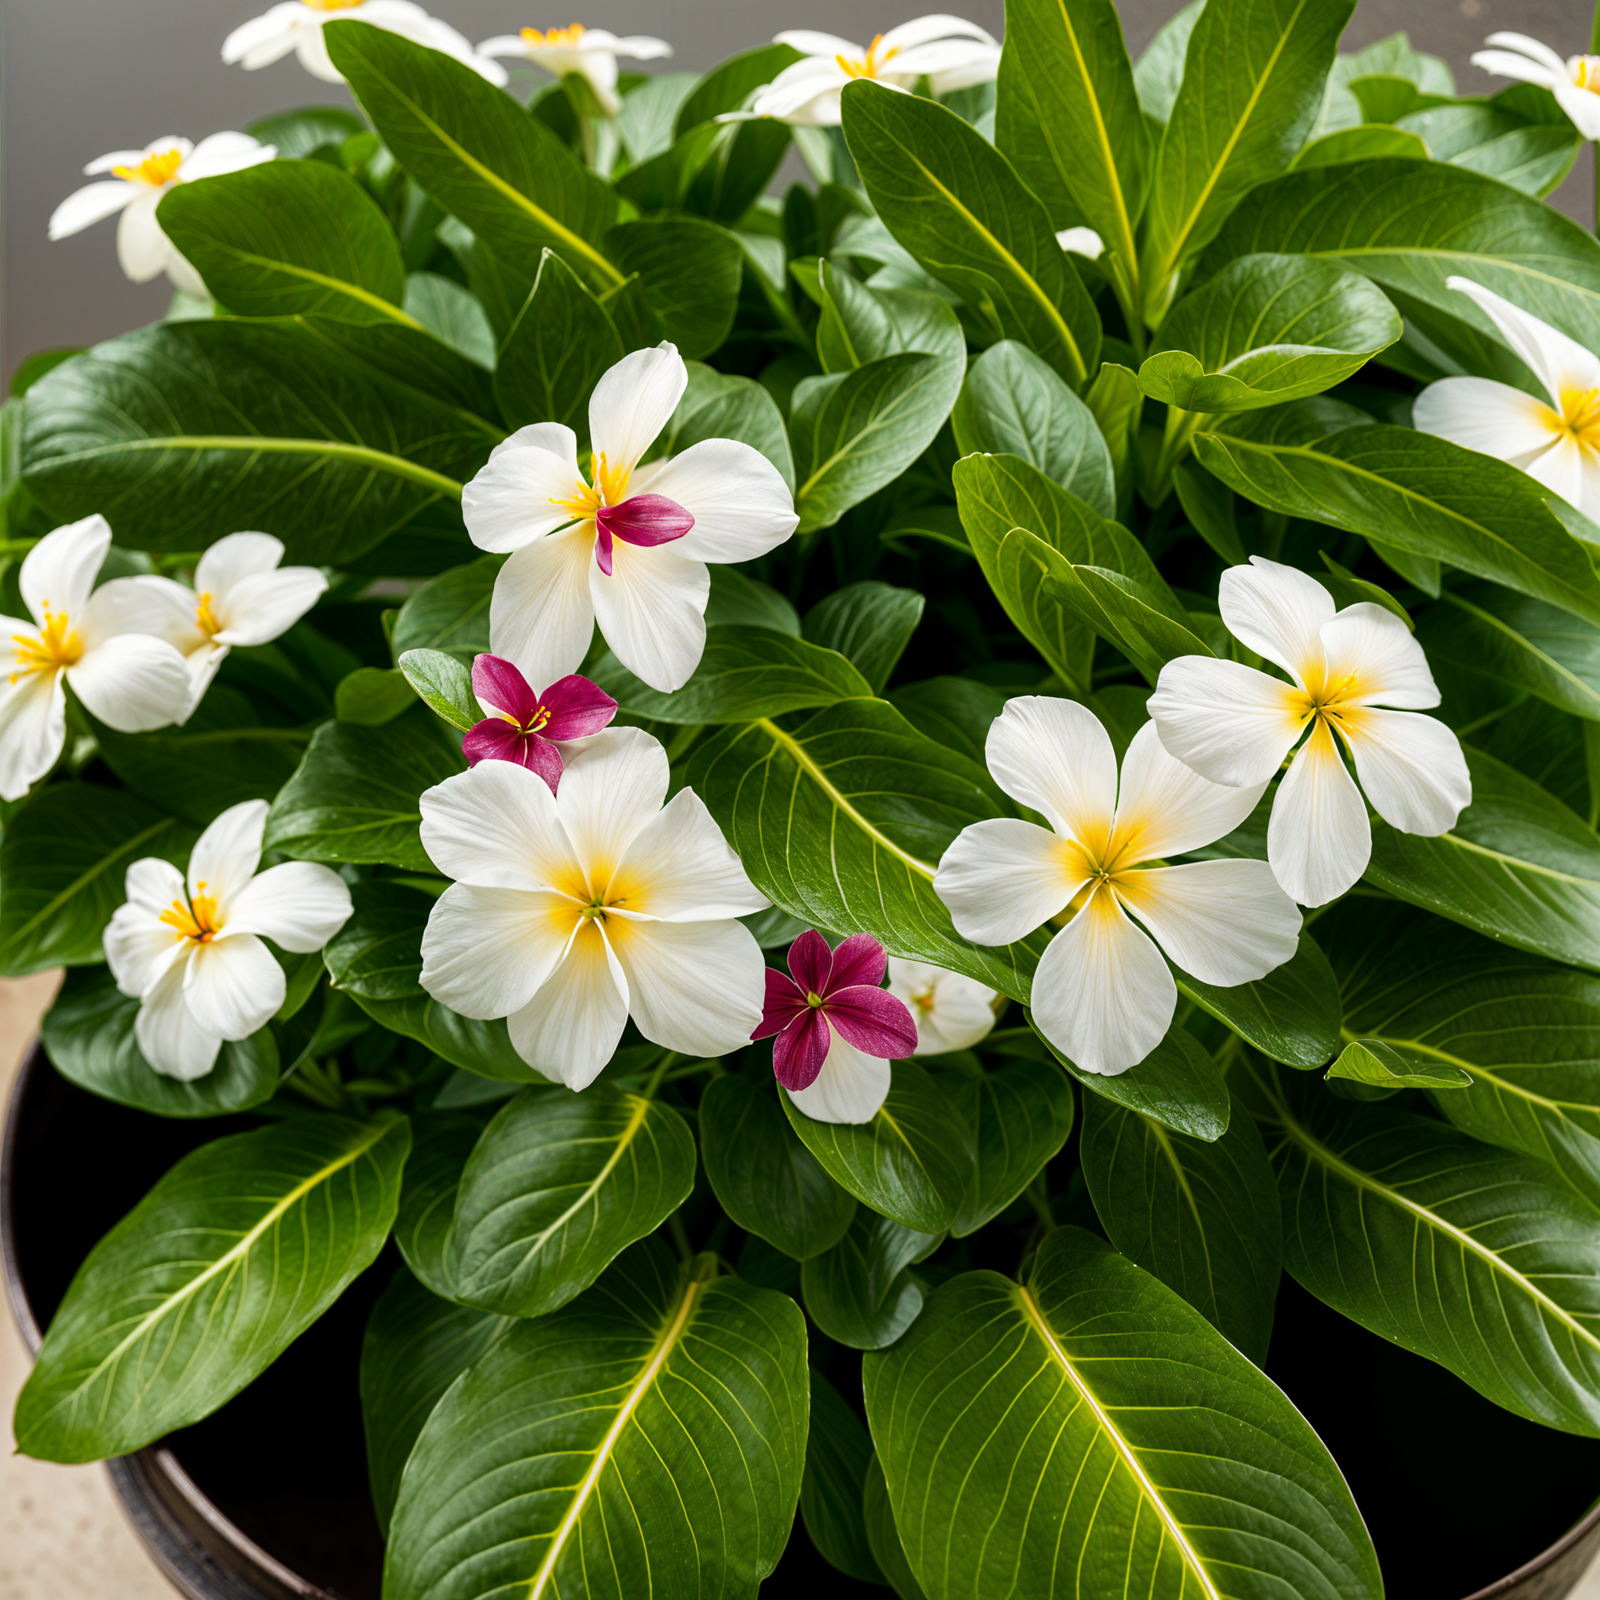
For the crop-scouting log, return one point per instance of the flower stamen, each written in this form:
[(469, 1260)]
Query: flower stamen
[(59, 645), (205, 616), (554, 38), (869, 66), (158, 170), (193, 919), (1586, 73), (1580, 410)]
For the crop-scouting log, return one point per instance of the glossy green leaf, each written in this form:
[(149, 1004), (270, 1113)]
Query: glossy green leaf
[(1148, 629), (1159, 71), (442, 1143), (229, 1259), (1367, 141), (869, 624), (884, 1537), (444, 684), (426, 361), (689, 273), (956, 712), (718, 406), (1291, 1015), (1531, 156), (860, 324), (764, 1177), (453, 315), (650, 1435), (1383, 1066), (859, 1292), (451, 614), (838, 1450), (1208, 504), (1095, 1390), (1203, 1218), (372, 696), (295, 134)]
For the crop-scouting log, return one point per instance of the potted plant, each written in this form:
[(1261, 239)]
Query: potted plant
[(818, 835)]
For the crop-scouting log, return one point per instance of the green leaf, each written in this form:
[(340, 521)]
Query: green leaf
[(424, 360), (1531, 156), (1148, 629), (859, 1291), (1479, 1260), (1268, 329), (453, 315), (1012, 403), (1095, 1390), (1159, 71), (88, 1035), (884, 1538), (910, 1163), (1203, 1218), (860, 324), (507, 176), (558, 1185), (1252, 86), (838, 1450), (955, 202), (741, 600), (1382, 1066), (442, 1143), (276, 422), (869, 624), (444, 683), (763, 1176), (1291, 1015), (63, 858), (956, 712), (295, 134), (689, 271), (229, 1259), (416, 1345), (451, 614), (288, 238), (648, 1436), (372, 696), (717, 406), (1208, 504), (842, 821), (1367, 141)]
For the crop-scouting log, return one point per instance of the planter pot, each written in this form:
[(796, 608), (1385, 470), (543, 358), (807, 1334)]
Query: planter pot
[(267, 1499)]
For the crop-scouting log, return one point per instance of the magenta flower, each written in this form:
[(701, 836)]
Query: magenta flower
[(526, 727), (644, 519), (832, 990)]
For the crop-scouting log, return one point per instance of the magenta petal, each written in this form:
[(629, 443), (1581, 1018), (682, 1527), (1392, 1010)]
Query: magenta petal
[(873, 1021), (577, 708), (498, 683), (602, 548), (491, 740), (539, 755), (645, 519), (798, 1052), (784, 1002), (810, 960), (860, 959)]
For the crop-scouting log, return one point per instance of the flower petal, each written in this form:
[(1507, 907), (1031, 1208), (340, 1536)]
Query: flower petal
[(58, 573), (511, 502), (924, 30), (541, 616), (1539, 53), (873, 1020), (1225, 922), (1102, 994), (143, 250), (169, 1036), (142, 604), (298, 905), (226, 855), (1002, 878), (646, 520), (858, 959), (1318, 840), (485, 952), (811, 962), (679, 868), (781, 1004), (1278, 612), (1167, 809), (1055, 756), (1492, 418), (33, 728), (1582, 105), (89, 205), (951, 1010), (570, 1029), (633, 402), (497, 826), (264, 39), (651, 611), (1559, 363), (850, 1087), (132, 682), (741, 506), (811, 42), (798, 1053), (496, 740), (695, 987), (578, 708), (1411, 767), (610, 790), (138, 948), (263, 608), (501, 688), (233, 986), (152, 884), (1571, 469), (1230, 723), (1372, 652), (218, 153)]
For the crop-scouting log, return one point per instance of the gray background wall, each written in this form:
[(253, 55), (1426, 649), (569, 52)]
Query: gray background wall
[(80, 77)]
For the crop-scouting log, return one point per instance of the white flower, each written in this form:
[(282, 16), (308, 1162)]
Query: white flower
[(138, 180), (571, 912), (240, 597), (1575, 82), (951, 1010), (591, 53), (1558, 444), (1082, 242), (1102, 992), (192, 952), (627, 550), (1235, 725), (949, 53), (297, 25), (130, 682)]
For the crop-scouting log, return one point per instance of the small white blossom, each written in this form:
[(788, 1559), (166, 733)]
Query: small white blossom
[(590, 53), (1575, 81), (951, 1010)]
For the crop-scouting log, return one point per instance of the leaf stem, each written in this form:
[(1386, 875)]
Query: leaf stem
[(656, 1077), (680, 1236)]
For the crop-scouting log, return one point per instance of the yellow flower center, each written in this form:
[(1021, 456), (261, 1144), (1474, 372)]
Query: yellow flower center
[(205, 617), (922, 999), (609, 488), (1580, 413), (869, 66), (334, 5), (158, 170), (193, 919), (554, 38), (1586, 73), (59, 645)]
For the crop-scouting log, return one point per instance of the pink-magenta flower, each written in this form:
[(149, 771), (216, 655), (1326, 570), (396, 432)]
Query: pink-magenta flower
[(832, 993), (528, 728)]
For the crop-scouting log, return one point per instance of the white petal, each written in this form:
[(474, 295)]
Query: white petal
[(741, 506), (510, 502), (152, 884), (1054, 756), (139, 949), (1491, 418), (1165, 808), (90, 205), (1232, 724), (1559, 363), (142, 604), (1225, 922), (924, 30), (33, 727), (651, 611), (633, 402), (951, 63), (1411, 767), (951, 1010), (298, 905), (202, 663), (185, 277), (1373, 656), (609, 792), (226, 855), (169, 1036), (111, 161), (496, 825), (695, 987), (132, 682), (679, 868), (1582, 105), (233, 558), (312, 49), (486, 951), (263, 608), (224, 152), (1278, 612), (980, 67), (1002, 878), (142, 248), (1102, 994), (809, 42), (233, 986), (1505, 65), (1082, 242), (1318, 840), (555, 437), (810, 102), (541, 617), (1570, 469), (599, 70), (570, 1029), (58, 573), (641, 47), (851, 1087), (1540, 53), (264, 31)]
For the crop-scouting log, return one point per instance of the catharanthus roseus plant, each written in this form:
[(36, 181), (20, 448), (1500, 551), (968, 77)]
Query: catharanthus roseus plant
[(854, 808)]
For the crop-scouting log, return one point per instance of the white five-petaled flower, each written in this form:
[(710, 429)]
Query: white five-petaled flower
[(138, 180), (1102, 992), (1235, 725), (591, 53), (1557, 444), (1575, 82), (572, 911), (949, 52), (241, 596), (297, 25), (951, 1010), (191, 951), (626, 547), (130, 681)]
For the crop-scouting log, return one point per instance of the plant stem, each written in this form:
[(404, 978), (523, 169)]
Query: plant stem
[(1174, 447), (680, 1235), (661, 1071)]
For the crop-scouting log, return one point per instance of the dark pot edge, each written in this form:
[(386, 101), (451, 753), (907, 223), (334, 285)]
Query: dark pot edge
[(185, 1533)]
